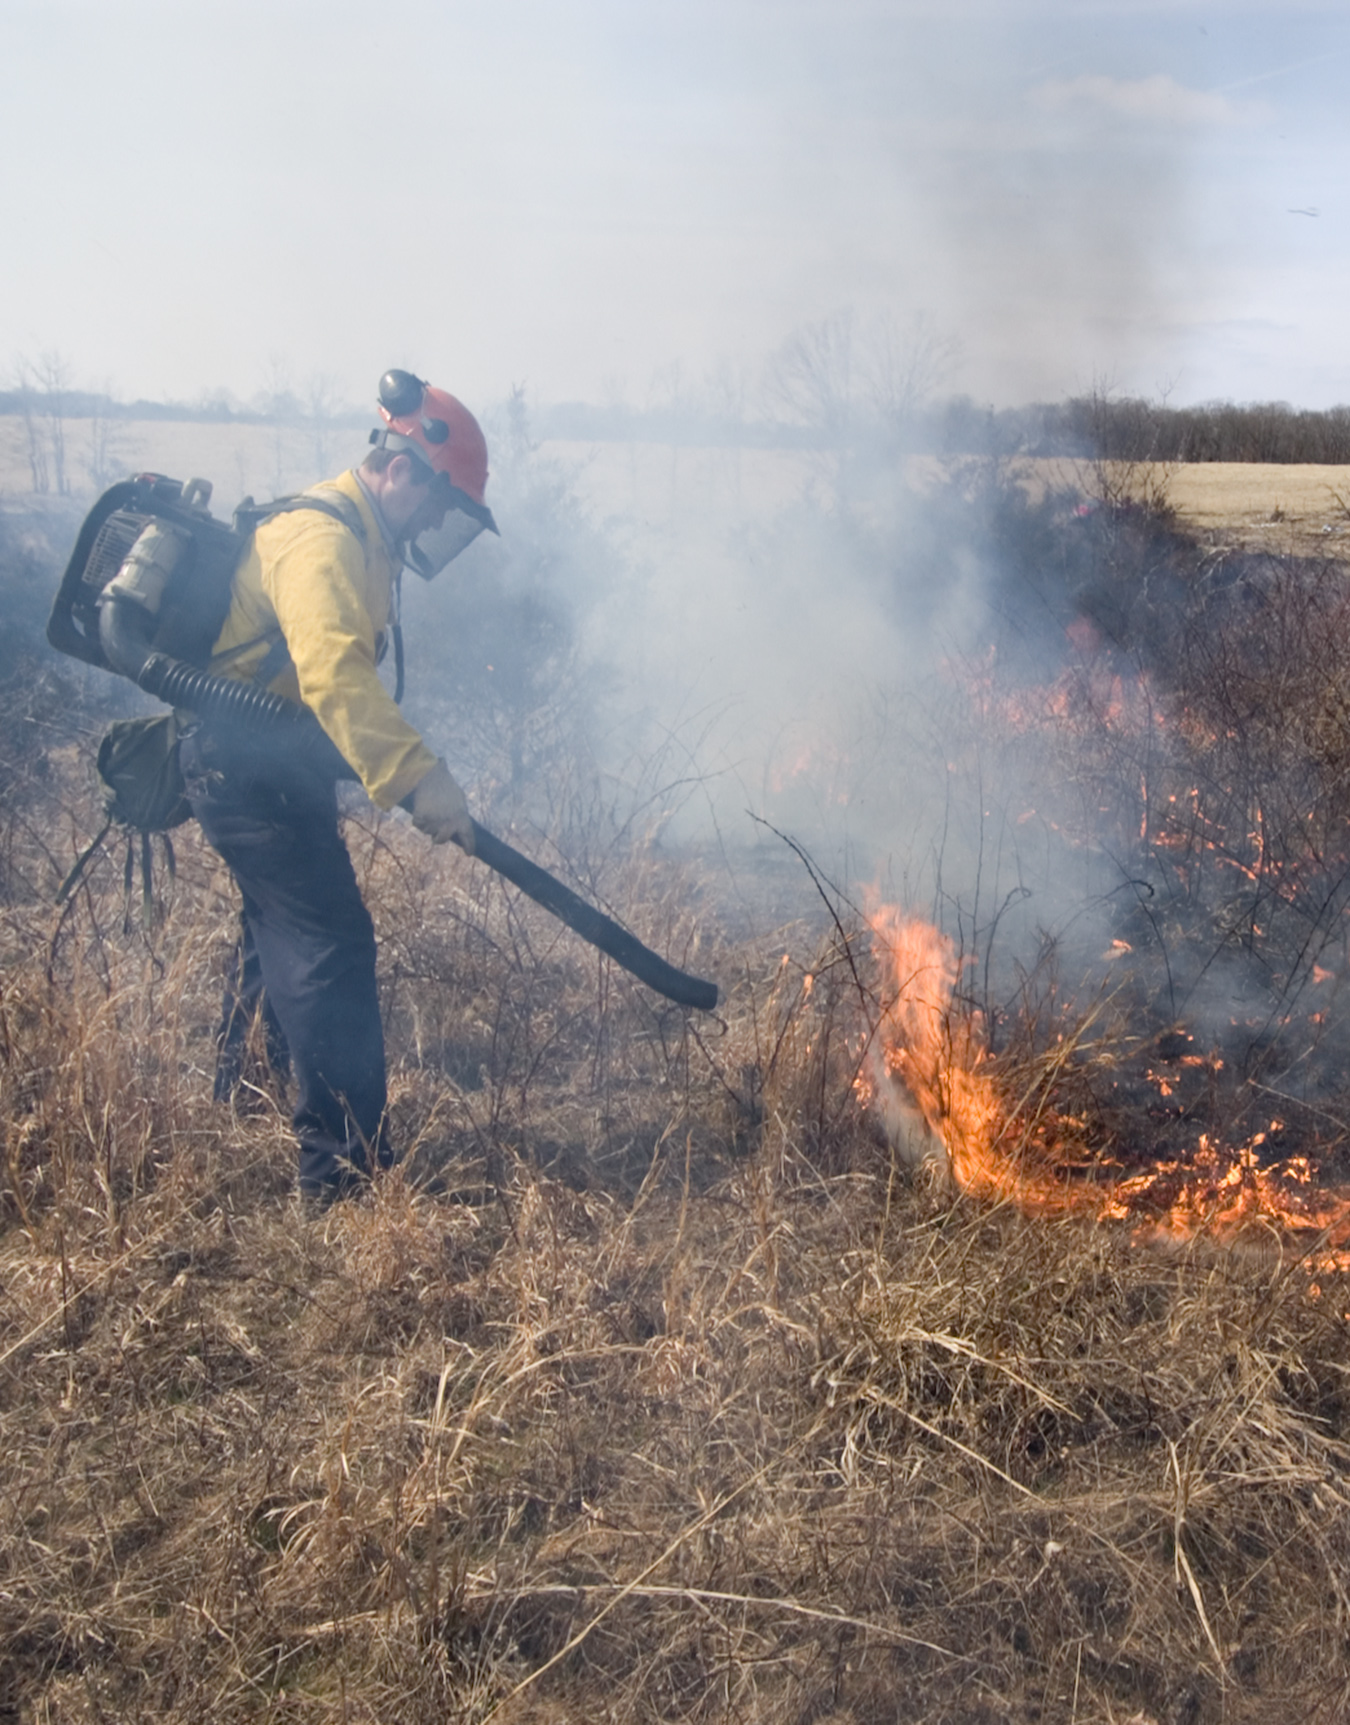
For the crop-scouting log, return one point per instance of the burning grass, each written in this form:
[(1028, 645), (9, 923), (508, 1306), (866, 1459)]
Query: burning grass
[(1005, 1130)]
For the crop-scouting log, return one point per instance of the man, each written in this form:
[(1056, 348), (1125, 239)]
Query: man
[(312, 601)]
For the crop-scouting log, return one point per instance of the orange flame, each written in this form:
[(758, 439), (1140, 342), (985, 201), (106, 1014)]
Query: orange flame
[(1001, 1150), (941, 1060)]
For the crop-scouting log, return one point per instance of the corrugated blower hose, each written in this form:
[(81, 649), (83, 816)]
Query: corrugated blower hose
[(122, 633)]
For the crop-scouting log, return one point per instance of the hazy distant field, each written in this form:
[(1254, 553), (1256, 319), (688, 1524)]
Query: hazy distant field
[(663, 486), (653, 482)]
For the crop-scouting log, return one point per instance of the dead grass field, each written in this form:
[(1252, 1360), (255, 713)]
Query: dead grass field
[(650, 1387), (1288, 508), (1303, 510)]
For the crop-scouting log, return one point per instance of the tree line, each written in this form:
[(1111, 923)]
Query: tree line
[(869, 388), (1128, 428), (1082, 428)]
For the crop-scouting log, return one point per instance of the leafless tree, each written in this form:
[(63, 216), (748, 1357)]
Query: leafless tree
[(52, 373), (668, 392), (810, 377), (905, 365), (108, 445), (1138, 478), (35, 443), (520, 445), (41, 385)]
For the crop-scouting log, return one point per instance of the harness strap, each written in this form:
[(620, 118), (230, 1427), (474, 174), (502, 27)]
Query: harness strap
[(333, 503), (274, 661), (341, 508), (147, 882), (73, 879), (396, 629), (128, 876)]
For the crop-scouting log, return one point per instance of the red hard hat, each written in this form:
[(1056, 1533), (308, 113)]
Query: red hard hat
[(436, 429)]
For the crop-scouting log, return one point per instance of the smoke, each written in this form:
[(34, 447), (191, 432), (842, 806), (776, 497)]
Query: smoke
[(950, 683), (578, 190), (835, 210)]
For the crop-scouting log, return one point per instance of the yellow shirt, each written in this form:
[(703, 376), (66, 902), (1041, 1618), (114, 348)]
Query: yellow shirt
[(307, 575)]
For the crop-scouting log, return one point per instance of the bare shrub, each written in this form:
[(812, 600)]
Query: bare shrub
[(810, 378)]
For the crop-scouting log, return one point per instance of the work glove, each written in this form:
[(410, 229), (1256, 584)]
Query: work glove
[(440, 811)]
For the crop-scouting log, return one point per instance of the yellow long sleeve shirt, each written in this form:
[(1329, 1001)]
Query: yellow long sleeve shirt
[(308, 576)]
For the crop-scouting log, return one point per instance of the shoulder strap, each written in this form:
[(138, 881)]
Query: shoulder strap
[(332, 502), (327, 500), (251, 515)]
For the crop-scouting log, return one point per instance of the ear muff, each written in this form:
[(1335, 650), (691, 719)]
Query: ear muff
[(401, 394)]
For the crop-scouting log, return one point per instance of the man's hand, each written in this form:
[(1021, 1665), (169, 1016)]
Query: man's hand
[(440, 811)]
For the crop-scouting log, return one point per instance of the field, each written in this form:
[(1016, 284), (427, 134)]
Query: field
[(665, 1379), (1283, 508)]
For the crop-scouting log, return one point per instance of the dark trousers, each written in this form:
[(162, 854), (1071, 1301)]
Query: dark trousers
[(238, 1067), (307, 953)]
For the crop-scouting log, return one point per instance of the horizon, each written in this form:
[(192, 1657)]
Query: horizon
[(74, 400)]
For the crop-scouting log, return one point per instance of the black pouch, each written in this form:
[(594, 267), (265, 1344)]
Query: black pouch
[(138, 763), (143, 792)]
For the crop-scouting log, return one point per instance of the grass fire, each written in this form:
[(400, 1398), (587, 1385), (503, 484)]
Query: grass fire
[(994, 1127), (953, 1326)]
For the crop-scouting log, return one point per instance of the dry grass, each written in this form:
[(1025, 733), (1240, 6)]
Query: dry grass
[(647, 1388), (1300, 509)]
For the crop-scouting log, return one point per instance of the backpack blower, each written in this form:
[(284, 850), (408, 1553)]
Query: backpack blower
[(145, 595)]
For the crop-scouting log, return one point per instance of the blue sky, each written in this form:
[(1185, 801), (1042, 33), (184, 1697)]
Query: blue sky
[(582, 194)]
